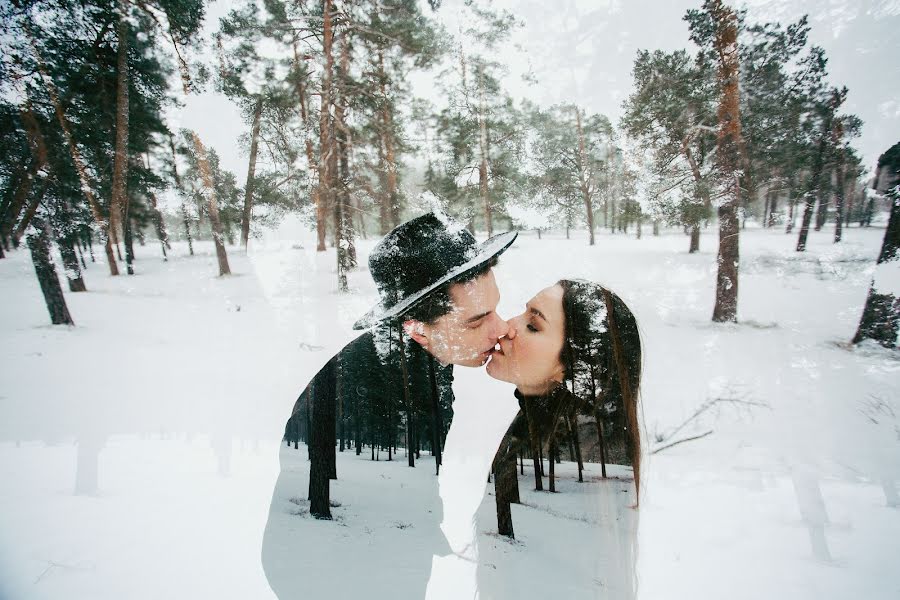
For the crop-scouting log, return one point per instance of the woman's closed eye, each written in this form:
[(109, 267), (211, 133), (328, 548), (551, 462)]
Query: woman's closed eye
[(532, 328)]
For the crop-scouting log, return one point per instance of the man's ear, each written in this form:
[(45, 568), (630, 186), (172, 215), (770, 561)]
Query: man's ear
[(416, 330)]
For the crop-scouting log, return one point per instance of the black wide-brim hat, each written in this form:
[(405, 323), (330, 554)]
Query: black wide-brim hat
[(421, 255)]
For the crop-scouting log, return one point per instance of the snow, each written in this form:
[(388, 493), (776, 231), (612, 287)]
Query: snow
[(164, 406)]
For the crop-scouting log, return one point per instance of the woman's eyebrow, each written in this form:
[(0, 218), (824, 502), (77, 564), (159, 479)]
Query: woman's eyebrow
[(535, 311)]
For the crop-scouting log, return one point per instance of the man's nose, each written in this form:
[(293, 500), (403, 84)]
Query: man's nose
[(501, 327)]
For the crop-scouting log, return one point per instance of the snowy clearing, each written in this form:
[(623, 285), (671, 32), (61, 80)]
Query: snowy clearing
[(139, 449)]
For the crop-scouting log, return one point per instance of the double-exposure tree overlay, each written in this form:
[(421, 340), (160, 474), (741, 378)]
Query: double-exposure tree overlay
[(427, 299)]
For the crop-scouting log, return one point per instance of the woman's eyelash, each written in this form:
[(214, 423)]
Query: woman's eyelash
[(532, 328)]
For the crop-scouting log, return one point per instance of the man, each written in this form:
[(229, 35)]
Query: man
[(392, 384)]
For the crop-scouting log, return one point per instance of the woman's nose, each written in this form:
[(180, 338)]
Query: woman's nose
[(512, 332)]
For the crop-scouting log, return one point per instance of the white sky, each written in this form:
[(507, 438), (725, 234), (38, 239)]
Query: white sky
[(582, 51)]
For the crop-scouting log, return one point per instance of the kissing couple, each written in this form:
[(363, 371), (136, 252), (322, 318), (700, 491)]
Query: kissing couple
[(348, 517)]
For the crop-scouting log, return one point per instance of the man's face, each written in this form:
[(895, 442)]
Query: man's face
[(466, 335)]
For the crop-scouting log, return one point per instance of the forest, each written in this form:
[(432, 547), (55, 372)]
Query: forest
[(163, 309), (743, 124)]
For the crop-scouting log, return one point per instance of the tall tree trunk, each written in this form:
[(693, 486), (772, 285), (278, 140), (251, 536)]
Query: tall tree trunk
[(357, 422), (184, 213), (730, 158), (585, 179), (612, 216), (534, 439), (773, 205), (437, 424), (212, 205), (541, 460), (128, 227), (407, 399), (158, 221), (484, 158), (849, 210), (346, 249), (39, 244), (837, 137), (816, 187), (792, 202), (251, 174), (572, 420), (118, 210), (506, 485), (601, 441), (160, 226), (868, 213), (321, 434), (416, 435), (384, 205), (80, 169), (340, 395), (821, 210), (701, 195), (327, 147), (389, 206), (312, 163), (361, 218), (551, 451), (89, 242), (66, 243), (809, 202), (187, 228)]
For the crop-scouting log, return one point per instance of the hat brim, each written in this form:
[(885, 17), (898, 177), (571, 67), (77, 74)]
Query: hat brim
[(490, 248)]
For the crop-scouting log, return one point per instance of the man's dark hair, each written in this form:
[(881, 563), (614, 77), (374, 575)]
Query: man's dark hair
[(437, 303)]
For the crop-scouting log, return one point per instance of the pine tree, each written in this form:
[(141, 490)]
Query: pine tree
[(714, 28), (480, 132), (671, 113), (574, 157), (214, 191)]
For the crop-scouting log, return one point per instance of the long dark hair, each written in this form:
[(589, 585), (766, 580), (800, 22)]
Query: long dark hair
[(601, 355)]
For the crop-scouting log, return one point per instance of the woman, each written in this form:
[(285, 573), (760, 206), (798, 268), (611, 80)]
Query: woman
[(574, 356)]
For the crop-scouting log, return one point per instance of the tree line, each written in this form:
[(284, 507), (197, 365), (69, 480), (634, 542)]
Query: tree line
[(744, 122)]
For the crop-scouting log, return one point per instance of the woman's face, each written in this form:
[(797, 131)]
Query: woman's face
[(529, 354)]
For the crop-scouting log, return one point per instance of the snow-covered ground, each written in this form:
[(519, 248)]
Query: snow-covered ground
[(139, 449)]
